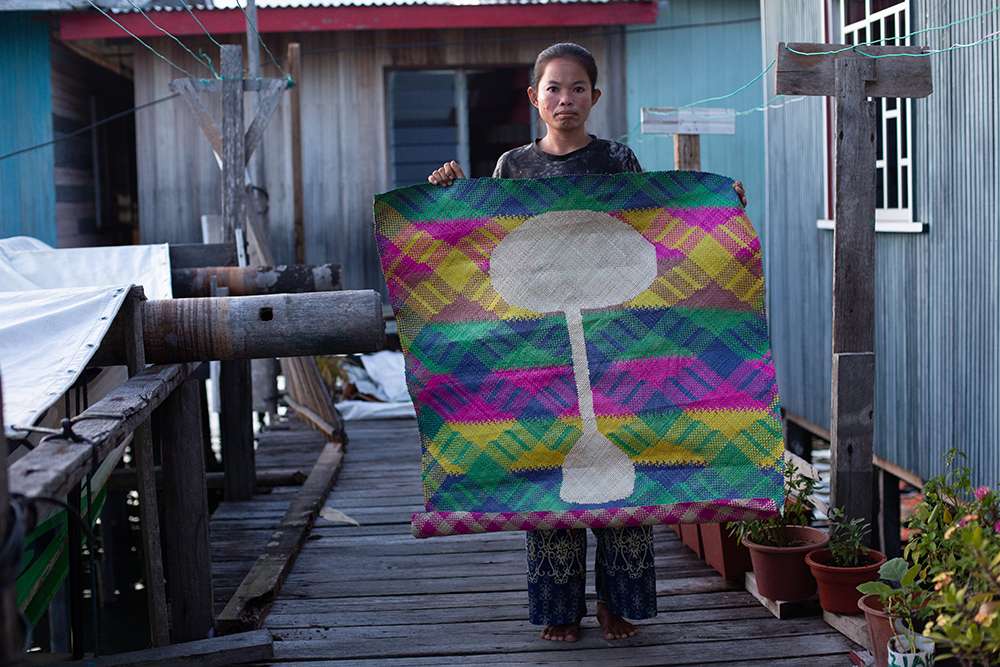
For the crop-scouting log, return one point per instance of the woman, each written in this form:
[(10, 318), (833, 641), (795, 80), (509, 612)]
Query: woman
[(564, 91)]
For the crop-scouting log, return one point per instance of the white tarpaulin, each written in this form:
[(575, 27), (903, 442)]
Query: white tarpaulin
[(383, 377), (55, 308)]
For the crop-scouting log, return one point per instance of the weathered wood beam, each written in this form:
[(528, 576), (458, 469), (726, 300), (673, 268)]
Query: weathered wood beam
[(186, 515), (271, 90), (197, 255), (142, 448), (234, 210), (187, 91), (254, 280), (295, 113), (239, 459), (54, 466), (905, 76), (687, 152), (125, 480), (249, 606), (255, 327), (216, 652), (216, 85)]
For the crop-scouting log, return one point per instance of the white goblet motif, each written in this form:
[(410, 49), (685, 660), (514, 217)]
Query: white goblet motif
[(567, 261)]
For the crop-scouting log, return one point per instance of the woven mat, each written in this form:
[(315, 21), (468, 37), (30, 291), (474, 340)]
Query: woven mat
[(584, 351)]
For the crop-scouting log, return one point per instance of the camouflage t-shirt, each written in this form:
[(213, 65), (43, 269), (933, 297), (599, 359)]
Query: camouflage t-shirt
[(600, 156)]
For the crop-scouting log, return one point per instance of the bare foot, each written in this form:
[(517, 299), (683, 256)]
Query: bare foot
[(567, 632), (612, 625)]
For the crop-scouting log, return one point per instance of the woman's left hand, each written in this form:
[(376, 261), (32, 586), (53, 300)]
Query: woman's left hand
[(738, 186)]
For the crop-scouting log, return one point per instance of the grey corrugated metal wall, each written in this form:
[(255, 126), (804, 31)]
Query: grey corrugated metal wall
[(344, 134), (937, 294), (799, 269)]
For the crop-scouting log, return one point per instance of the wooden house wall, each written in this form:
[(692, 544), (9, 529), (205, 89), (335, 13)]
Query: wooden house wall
[(344, 134), (937, 294), (27, 188), (696, 50)]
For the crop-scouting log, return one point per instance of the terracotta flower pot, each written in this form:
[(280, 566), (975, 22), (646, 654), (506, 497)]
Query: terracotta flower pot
[(691, 536), (782, 573), (724, 552), (879, 628), (838, 586)]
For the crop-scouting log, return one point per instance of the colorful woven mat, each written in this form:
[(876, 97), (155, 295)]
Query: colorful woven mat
[(584, 351)]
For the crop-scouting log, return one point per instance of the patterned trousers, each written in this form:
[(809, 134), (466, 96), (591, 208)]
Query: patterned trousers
[(624, 576)]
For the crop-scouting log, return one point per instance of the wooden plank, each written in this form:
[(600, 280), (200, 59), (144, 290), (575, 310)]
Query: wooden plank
[(252, 601), (900, 472), (851, 471), (687, 152), (312, 418), (142, 450), (903, 76), (670, 120), (125, 479), (188, 552), (253, 280), (234, 210), (271, 90), (854, 627), (201, 113), (783, 609), (236, 429), (197, 255), (217, 85), (295, 113), (216, 652)]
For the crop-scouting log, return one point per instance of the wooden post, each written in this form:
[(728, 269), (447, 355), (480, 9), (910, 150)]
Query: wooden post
[(687, 126), (10, 628), (687, 152), (295, 111), (188, 551), (853, 77), (142, 447), (234, 210)]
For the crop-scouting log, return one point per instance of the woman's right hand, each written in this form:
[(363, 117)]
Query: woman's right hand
[(447, 174)]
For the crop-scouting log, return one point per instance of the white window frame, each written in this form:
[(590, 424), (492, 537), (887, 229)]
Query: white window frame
[(899, 218)]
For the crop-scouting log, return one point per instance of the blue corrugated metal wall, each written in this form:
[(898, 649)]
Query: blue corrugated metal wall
[(27, 181), (700, 49)]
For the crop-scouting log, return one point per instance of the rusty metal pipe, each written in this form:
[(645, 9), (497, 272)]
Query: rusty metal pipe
[(256, 327)]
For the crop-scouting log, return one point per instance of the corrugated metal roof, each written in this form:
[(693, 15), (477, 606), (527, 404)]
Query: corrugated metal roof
[(124, 6)]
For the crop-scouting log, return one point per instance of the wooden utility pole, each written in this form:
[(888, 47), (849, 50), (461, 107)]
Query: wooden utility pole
[(853, 77), (687, 125), (235, 144), (295, 110)]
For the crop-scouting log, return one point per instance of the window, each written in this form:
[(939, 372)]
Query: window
[(471, 116), (886, 23)]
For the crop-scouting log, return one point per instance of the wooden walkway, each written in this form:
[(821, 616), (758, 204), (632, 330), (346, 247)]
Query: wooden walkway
[(373, 595)]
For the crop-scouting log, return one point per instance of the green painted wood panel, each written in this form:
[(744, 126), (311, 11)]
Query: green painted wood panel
[(27, 181)]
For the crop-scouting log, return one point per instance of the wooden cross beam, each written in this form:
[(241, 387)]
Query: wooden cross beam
[(852, 77), (232, 146), (686, 125)]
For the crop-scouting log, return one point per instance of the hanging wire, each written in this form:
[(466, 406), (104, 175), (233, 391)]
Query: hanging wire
[(155, 52), (714, 99), (89, 127), (231, 56), (904, 37), (209, 65)]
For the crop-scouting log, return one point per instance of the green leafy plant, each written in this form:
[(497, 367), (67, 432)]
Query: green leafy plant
[(847, 539), (798, 511), (902, 595), (955, 544)]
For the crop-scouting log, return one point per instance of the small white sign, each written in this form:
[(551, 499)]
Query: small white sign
[(670, 120)]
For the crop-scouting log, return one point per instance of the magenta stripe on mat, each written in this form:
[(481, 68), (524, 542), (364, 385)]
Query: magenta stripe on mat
[(434, 524)]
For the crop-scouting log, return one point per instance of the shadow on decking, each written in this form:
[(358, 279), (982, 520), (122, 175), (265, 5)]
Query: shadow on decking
[(374, 595)]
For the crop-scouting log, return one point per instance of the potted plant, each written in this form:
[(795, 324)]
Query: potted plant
[(894, 607), (778, 546), (844, 564), (955, 543)]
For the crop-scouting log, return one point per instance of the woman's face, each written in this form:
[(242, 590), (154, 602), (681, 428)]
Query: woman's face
[(564, 96)]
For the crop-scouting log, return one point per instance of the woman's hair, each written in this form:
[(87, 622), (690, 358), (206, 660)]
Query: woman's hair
[(565, 50)]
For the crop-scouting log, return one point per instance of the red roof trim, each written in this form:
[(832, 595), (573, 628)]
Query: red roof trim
[(381, 17)]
